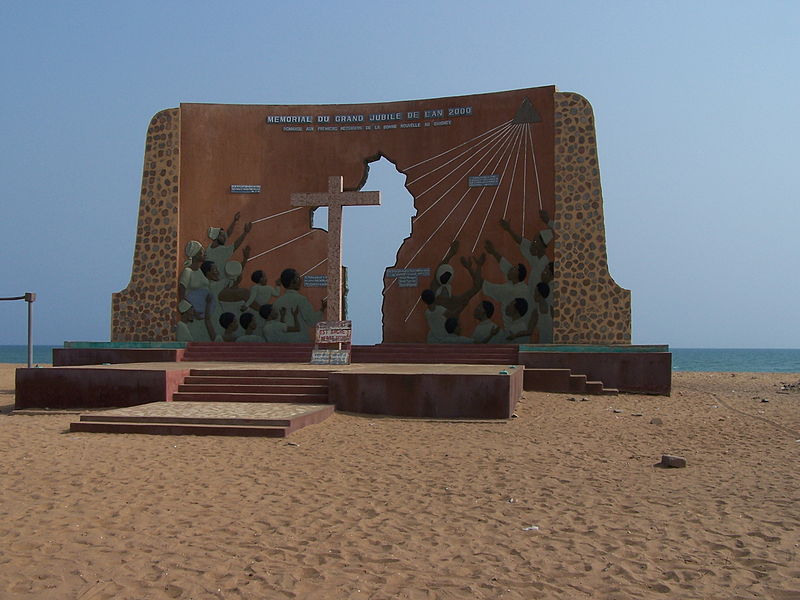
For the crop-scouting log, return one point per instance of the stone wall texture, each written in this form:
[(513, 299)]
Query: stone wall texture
[(146, 309), (590, 308)]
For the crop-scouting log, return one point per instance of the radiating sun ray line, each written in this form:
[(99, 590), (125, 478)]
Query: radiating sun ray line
[(314, 267), (483, 189), (408, 316), (513, 175), (494, 197), (509, 143), (282, 245), (535, 168), (524, 183), (277, 214), (506, 134), (455, 237), (462, 198), (411, 312), (458, 180), (430, 237), (459, 145), (435, 231), (474, 149)]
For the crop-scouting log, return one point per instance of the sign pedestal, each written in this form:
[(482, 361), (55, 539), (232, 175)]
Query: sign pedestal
[(332, 343)]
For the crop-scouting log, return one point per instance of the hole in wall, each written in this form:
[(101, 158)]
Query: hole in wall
[(372, 236)]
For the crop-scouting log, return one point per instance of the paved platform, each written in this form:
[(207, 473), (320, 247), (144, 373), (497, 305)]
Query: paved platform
[(205, 418), (409, 390), (624, 367)]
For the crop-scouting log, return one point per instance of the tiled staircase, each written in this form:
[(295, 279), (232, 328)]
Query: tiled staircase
[(545, 380), (563, 381), (254, 353), (238, 402), (254, 385)]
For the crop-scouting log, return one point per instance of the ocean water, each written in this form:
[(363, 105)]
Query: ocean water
[(739, 360), (42, 355), (683, 359)]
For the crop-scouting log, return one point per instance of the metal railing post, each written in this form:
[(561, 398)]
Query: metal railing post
[(30, 298)]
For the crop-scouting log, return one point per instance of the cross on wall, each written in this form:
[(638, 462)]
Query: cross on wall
[(335, 198)]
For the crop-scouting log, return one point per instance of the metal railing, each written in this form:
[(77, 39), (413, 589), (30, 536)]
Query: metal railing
[(30, 298)]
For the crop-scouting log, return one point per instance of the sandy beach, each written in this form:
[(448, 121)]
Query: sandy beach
[(562, 502)]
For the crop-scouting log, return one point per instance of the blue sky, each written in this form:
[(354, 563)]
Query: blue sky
[(695, 105)]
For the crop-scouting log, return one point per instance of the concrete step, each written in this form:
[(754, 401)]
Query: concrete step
[(457, 347), (206, 418), (464, 349), (563, 381), (242, 388), (577, 384), (245, 397), (251, 358), (594, 387), (249, 349), (547, 380), (388, 353), (179, 429), (245, 357), (205, 345), (191, 379), (434, 351), (293, 373), (433, 359), (289, 416)]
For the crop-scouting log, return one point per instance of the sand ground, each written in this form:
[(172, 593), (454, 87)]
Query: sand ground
[(561, 502)]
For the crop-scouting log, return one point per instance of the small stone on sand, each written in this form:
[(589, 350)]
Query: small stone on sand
[(675, 462)]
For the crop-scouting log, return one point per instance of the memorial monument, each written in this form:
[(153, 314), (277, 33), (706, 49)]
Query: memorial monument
[(507, 244)]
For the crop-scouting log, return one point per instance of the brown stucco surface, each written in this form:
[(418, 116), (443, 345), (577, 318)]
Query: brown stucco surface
[(430, 394), (91, 387), (631, 372)]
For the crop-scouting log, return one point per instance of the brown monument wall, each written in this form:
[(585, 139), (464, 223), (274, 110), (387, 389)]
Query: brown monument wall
[(543, 153)]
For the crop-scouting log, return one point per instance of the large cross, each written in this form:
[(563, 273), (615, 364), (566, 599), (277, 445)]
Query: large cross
[(335, 198)]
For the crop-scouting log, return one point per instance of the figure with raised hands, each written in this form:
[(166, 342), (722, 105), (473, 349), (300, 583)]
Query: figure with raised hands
[(513, 287), (275, 328), (521, 322), (219, 251), (248, 323), (441, 284), (486, 330), (307, 317), (533, 250)]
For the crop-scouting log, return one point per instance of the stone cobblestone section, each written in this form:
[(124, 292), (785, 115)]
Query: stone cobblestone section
[(590, 308), (146, 309)]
